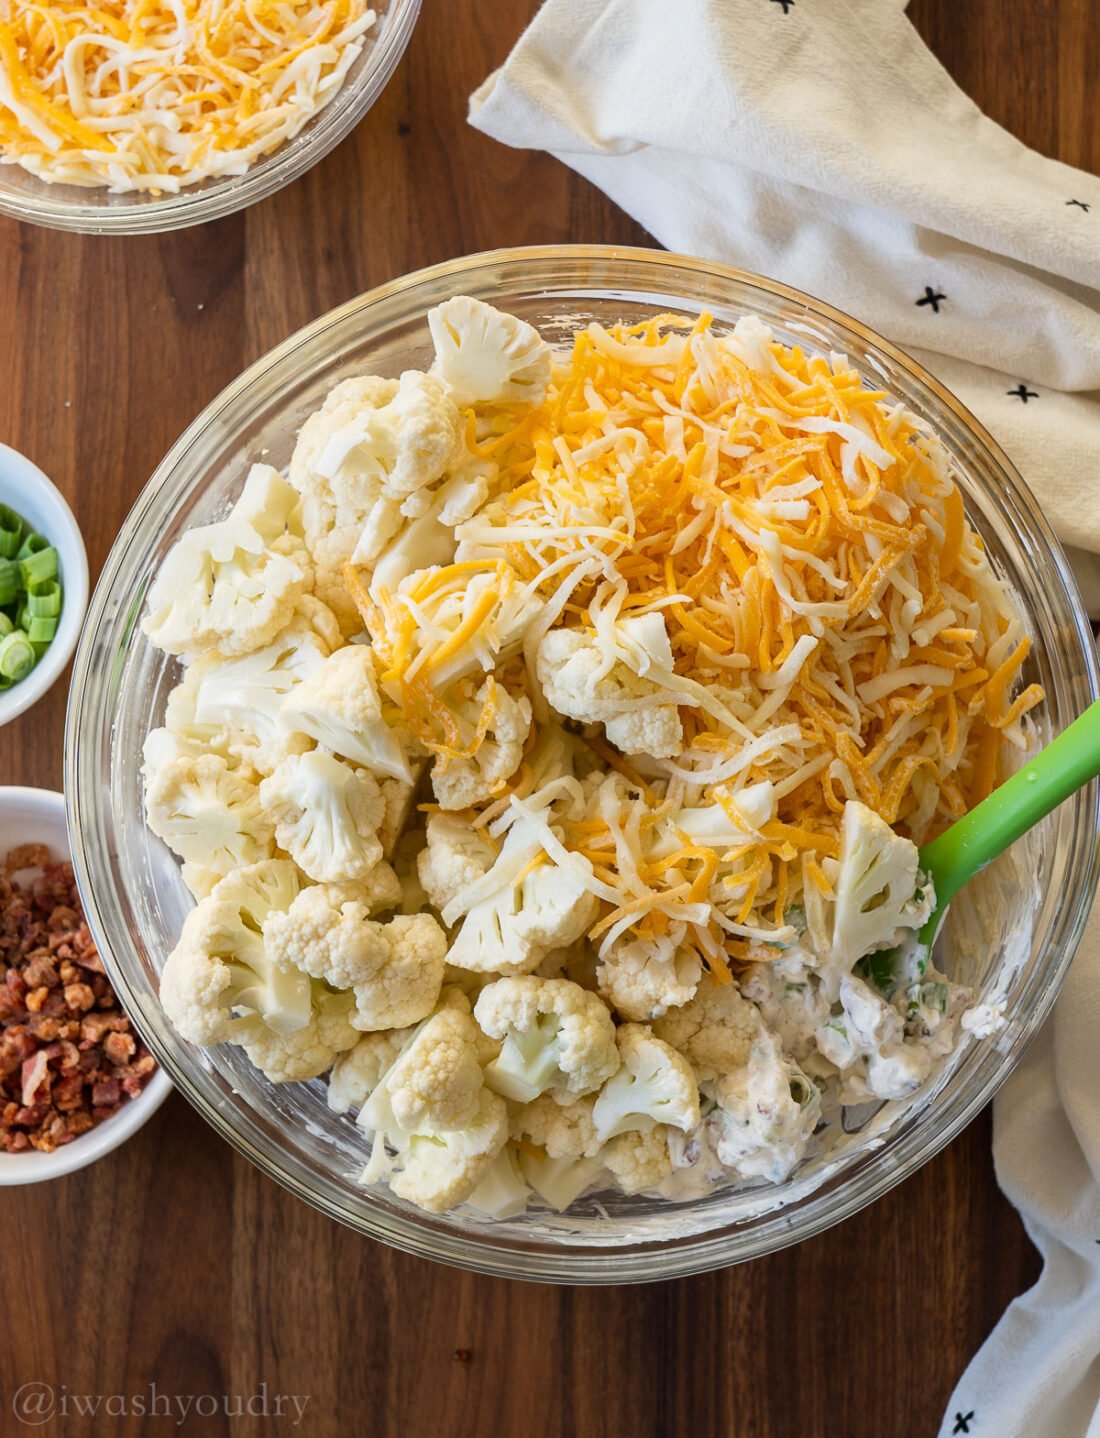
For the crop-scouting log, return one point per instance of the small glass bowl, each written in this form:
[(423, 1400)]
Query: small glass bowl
[(95, 211), (136, 901)]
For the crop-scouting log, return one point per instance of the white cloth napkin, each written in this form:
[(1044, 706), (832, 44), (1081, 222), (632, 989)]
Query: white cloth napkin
[(820, 142)]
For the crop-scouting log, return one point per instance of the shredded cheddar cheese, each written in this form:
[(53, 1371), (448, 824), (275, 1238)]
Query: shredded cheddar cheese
[(156, 95), (836, 629)]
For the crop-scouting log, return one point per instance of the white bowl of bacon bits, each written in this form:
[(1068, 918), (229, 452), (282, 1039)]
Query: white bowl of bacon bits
[(76, 1080)]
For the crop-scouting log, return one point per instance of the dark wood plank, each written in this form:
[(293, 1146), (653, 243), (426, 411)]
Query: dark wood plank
[(186, 1267)]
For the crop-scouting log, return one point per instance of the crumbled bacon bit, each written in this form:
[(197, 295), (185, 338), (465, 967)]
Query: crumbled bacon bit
[(68, 1056)]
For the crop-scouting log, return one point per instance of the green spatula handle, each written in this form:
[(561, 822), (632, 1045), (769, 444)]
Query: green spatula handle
[(964, 849)]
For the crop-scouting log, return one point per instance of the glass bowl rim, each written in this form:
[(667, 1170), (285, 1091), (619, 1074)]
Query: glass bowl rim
[(50, 208), (423, 1234)]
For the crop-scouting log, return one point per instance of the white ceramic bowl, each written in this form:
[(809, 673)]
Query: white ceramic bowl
[(24, 488), (37, 816)]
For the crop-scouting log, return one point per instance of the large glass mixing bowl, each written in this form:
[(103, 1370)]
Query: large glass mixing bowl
[(1018, 944)]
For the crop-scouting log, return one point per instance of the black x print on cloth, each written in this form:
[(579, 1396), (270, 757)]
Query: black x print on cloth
[(1079, 203), (962, 1422), (785, 3), (931, 297), (1022, 392)]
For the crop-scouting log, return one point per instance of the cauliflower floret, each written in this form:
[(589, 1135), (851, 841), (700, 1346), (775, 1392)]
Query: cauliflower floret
[(208, 814), (357, 1072), (644, 978), (654, 1085), (220, 966), (486, 356), (462, 494), (309, 1051), (580, 683), (876, 882), (242, 697), (438, 1171), (556, 1035), (564, 1130), (395, 969), (714, 1031), (427, 435), (424, 543), (461, 783), (560, 1181), (363, 459), (232, 585), (338, 706), (454, 857), (435, 1084), (767, 1111), (532, 906), (326, 816), (397, 797), (639, 1160), (502, 1193), (379, 888)]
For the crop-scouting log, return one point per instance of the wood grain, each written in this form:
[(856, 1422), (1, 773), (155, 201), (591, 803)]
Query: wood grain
[(175, 1262)]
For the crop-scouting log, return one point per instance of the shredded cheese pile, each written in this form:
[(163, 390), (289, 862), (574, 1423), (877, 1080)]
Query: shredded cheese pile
[(156, 95), (836, 628)]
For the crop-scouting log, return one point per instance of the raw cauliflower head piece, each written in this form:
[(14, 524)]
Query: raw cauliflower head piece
[(208, 813), (564, 1130), (580, 682), (220, 970), (876, 883), (524, 907), (242, 698), (485, 356), (556, 1036), (326, 816), (357, 1072), (397, 801), (714, 1031), (231, 586), (395, 969), (461, 783), (338, 706), (435, 1085), (654, 1085), (644, 978), (560, 1181), (363, 459), (311, 1050), (638, 1161), (502, 1192), (454, 857), (426, 431), (438, 1171)]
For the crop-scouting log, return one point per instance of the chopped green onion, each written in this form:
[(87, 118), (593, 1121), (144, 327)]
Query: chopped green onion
[(10, 581), (11, 531), (38, 566), (41, 631), (44, 599), (17, 656), (33, 544), (31, 597)]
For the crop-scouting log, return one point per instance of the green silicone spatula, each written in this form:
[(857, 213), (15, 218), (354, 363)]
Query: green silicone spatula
[(964, 850)]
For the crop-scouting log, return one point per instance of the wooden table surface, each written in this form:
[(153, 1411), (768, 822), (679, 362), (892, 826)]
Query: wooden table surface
[(174, 1261)]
